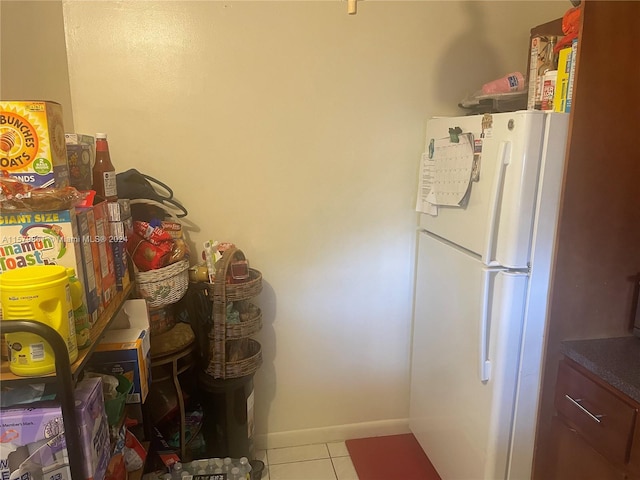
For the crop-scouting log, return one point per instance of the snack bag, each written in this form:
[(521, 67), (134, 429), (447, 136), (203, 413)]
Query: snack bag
[(147, 255)]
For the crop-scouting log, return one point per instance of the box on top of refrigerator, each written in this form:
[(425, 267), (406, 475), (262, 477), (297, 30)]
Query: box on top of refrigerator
[(32, 143)]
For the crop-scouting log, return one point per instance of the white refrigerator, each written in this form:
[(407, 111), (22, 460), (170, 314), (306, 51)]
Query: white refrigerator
[(482, 281)]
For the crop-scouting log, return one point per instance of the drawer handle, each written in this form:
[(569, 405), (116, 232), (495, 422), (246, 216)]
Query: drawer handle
[(578, 404)]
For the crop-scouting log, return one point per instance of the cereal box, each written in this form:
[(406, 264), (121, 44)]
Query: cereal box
[(81, 154), (119, 210), (40, 238), (107, 264), (32, 143), (120, 231), (92, 275), (126, 351)]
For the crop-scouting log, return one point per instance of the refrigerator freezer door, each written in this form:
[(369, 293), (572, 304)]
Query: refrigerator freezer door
[(544, 233), (497, 222), (465, 364)]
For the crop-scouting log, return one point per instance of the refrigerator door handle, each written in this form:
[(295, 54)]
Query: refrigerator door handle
[(504, 155), (485, 326)]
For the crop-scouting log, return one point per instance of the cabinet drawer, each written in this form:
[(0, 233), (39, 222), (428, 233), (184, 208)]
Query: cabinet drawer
[(575, 459), (603, 419)]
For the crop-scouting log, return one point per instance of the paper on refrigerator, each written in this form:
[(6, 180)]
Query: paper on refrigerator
[(445, 174)]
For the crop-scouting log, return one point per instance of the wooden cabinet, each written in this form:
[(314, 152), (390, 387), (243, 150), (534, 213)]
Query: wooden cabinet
[(596, 431), (597, 248), (603, 418), (634, 457), (575, 458)]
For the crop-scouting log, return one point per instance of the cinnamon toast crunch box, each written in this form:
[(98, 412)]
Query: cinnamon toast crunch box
[(32, 143), (41, 238)]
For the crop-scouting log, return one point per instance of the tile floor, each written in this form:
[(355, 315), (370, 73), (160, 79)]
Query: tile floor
[(323, 461)]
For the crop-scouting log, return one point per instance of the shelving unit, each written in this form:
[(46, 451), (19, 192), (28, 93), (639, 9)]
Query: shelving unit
[(223, 333), (67, 374)]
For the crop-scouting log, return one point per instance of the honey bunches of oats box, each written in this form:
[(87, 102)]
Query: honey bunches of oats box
[(32, 143)]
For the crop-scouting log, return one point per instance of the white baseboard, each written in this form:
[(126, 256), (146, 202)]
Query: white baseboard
[(336, 433)]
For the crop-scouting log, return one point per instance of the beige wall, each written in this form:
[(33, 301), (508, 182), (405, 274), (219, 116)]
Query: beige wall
[(33, 55), (294, 130)]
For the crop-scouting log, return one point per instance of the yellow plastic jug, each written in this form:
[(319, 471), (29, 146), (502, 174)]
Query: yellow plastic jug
[(40, 293)]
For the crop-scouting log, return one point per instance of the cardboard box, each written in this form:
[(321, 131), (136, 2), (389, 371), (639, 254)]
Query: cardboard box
[(32, 143), (91, 240), (120, 210), (562, 81), (121, 230), (107, 265), (81, 155), (41, 238), (121, 261), (572, 75), (539, 37), (541, 54), (92, 275), (39, 431), (126, 351), (79, 139)]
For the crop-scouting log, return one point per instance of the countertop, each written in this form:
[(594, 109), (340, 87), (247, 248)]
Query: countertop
[(615, 360)]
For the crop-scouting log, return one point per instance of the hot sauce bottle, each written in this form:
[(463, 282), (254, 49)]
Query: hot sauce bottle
[(104, 173)]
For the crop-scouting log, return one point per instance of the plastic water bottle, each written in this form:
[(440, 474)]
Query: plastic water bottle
[(176, 471), (235, 474), (512, 82), (226, 465), (245, 467)]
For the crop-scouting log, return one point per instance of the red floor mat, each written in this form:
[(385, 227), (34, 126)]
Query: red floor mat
[(397, 457)]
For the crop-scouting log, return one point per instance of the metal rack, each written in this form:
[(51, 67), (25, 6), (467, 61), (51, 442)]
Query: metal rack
[(67, 374)]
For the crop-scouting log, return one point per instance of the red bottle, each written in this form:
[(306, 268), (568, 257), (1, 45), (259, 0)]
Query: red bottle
[(104, 173)]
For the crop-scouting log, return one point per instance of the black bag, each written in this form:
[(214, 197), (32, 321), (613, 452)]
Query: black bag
[(135, 185)]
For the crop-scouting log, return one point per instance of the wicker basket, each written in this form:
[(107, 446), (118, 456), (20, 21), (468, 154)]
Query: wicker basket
[(242, 367), (167, 285), (242, 329), (163, 286), (224, 336), (240, 291)]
